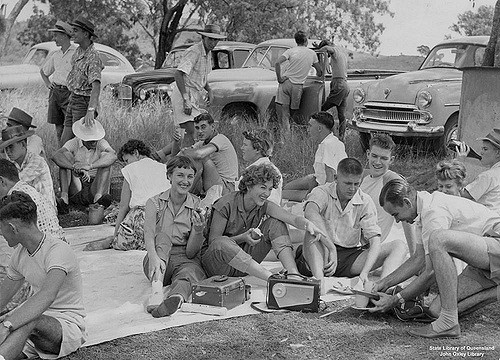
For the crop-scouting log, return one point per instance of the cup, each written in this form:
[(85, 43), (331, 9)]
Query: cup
[(96, 214)]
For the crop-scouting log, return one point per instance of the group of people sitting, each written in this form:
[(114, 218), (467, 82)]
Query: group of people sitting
[(196, 217)]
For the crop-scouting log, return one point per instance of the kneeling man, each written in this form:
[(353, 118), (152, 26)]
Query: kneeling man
[(50, 324)]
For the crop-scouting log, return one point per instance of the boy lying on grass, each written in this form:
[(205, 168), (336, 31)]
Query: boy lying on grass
[(173, 234), (236, 248)]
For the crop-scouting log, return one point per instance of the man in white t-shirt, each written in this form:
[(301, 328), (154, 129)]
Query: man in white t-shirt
[(291, 80), (329, 153), (51, 323), (216, 147)]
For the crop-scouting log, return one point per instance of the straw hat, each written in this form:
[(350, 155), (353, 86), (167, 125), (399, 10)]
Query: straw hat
[(84, 24), (14, 134), (212, 31), (88, 133), (62, 27)]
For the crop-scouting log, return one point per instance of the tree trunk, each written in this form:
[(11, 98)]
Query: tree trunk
[(9, 23), (168, 30), (492, 53)]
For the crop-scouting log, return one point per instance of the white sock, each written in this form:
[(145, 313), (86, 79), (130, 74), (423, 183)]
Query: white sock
[(446, 320)]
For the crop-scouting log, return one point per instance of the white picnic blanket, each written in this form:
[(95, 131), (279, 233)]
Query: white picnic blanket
[(115, 291)]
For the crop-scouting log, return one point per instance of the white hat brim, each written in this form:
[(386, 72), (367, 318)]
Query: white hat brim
[(88, 133)]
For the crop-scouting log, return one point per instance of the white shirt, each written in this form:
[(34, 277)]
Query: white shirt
[(300, 59), (330, 151), (485, 188), (59, 65)]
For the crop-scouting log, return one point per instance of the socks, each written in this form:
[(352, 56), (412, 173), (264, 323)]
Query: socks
[(446, 320)]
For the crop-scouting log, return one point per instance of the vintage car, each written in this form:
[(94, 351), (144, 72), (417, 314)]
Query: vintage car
[(422, 104), (250, 92), (116, 66), (158, 83)]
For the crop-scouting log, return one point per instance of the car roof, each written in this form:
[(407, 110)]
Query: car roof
[(288, 42), (220, 45), (479, 40), (51, 46)]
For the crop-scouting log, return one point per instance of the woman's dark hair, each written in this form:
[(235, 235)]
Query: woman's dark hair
[(180, 161), (258, 174), (130, 146)]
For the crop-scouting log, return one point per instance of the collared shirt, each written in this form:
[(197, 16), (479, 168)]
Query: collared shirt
[(85, 156), (46, 214), (86, 68), (196, 63), (35, 172), (59, 65), (439, 211), (231, 208), (177, 226), (35, 145), (50, 254), (355, 224), (485, 188), (275, 196), (330, 151)]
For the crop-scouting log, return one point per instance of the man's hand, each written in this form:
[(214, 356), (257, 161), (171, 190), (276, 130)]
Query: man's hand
[(331, 265), (363, 277), (89, 118), (462, 150), (157, 266), (313, 229), (188, 107), (282, 79), (385, 303), (50, 85)]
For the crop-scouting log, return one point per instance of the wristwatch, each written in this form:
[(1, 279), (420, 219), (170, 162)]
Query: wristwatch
[(7, 324), (401, 299)]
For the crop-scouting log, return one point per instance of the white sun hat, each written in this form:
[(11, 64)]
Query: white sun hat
[(88, 133)]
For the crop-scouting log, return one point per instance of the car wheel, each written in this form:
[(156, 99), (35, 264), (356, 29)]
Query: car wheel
[(450, 133), (239, 114)]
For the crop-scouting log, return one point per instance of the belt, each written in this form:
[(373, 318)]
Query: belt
[(61, 86)]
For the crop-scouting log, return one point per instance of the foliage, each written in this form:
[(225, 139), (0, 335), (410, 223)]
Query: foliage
[(109, 16), (257, 20), (423, 50), (472, 23), (492, 53)]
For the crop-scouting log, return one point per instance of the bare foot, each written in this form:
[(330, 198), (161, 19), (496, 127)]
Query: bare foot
[(102, 244)]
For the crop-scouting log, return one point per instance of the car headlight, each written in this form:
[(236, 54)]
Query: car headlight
[(143, 94), (359, 95), (424, 99)]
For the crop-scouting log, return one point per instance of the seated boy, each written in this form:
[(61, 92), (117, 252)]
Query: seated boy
[(88, 156), (485, 189), (19, 117), (51, 323), (173, 235), (380, 157), (348, 217), (330, 151)]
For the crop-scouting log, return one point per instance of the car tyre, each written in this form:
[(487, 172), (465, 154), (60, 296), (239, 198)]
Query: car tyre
[(450, 132)]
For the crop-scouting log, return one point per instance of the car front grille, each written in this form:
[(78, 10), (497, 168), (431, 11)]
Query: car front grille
[(392, 114)]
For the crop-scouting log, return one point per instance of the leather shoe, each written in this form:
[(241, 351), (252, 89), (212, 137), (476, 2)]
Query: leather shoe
[(430, 333)]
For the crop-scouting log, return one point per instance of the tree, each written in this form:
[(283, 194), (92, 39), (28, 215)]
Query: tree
[(423, 50), (472, 23), (492, 53), (257, 20)]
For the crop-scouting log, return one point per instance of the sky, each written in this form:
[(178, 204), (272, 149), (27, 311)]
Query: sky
[(415, 22)]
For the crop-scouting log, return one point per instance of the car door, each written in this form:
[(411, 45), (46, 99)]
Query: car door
[(313, 93)]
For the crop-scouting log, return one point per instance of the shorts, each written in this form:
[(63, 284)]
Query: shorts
[(345, 258), (58, 103), (77, 109), (289, 94), (73, 336)]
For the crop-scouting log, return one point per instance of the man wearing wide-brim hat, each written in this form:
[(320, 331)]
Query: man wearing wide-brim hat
[(85, 163), (84, 79), (190, 96), (485, 188), (54, 73), (33, 169), (19, 117)]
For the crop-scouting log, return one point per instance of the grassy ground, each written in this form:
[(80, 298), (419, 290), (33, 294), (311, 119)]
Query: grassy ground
[(347, 334)]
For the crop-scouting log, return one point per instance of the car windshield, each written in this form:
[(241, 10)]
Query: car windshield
[(454, 56), (35, 57), (264, 56), (173, 58)]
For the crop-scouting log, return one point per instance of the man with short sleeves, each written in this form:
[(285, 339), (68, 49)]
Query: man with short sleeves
[(51, 323), (349, 218), (84, 79), (291, 80), (57, 67), (18, 117), (85, 163)]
